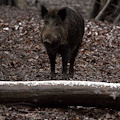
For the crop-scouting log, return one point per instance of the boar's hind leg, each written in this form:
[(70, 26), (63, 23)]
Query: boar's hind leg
[(72, 60), (52, 58)]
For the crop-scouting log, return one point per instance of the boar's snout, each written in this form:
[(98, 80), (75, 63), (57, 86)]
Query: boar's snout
[(47, 42), (50, 38)]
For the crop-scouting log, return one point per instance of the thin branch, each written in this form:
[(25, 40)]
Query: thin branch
[(102, 13)]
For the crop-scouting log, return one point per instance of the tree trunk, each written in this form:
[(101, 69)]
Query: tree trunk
[(3, 2), (61, 93), (95, 9), (106, 10), (103, 12), (13, 3), (117, 20), (117, 14), (9, 2)]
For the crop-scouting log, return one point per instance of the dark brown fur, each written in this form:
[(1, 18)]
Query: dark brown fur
[(62, 33)]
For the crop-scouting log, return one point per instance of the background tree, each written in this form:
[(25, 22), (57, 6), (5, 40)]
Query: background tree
[(106, 10), (9, 2)]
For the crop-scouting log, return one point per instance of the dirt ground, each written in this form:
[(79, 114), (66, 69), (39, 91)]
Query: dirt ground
[(23, 57)]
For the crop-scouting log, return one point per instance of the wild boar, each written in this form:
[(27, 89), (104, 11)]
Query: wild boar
[(62, 33)]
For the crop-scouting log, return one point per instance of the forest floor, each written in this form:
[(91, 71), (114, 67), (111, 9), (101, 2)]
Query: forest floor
[(24, 58)]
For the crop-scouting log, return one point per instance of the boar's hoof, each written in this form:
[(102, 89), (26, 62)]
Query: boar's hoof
[(71, 74), (53, 77), (65, 77)]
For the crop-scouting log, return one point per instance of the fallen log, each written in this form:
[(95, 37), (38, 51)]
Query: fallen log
[(61, 93)]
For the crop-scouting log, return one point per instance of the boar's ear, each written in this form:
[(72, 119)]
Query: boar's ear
[(44, 11), (62, 13)]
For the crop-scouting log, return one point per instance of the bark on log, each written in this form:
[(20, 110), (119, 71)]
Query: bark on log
[(61, 93)]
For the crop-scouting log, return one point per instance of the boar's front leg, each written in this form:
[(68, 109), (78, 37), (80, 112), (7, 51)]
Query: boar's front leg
[(52, 58), (64, 69), (71, 68)]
